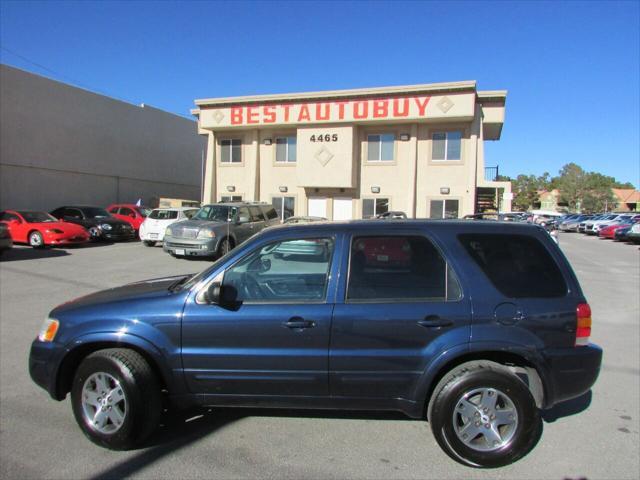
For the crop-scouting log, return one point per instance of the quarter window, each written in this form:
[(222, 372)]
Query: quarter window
[(285, 206), (286, 149), (281, 272), (231, 150), (517, 265), (380, 147), (372, 207), (447, 145), (444, 208), (399, 268)]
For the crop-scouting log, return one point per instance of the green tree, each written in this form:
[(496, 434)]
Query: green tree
[(525, 191), (572, 184)]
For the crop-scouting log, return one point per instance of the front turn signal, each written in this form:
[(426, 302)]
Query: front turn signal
[(48, 330)]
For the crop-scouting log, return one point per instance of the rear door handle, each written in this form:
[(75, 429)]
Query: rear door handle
[(434, 321), (298, 322)]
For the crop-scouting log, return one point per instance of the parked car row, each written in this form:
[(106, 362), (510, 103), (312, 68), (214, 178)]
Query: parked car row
[(622, 227)]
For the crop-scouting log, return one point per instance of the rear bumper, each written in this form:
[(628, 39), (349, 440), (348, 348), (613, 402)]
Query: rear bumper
[(6, 243), (572, 372)]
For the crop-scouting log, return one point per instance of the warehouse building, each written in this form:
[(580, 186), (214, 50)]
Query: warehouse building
[(357, 153), (61, 144)]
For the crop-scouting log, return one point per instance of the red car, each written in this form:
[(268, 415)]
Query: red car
[(39, 229), (130, 213), (610, 230)]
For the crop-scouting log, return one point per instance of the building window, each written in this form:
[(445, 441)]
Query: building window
[(380, 147), (444, 208), (285, 206), (371, 207), (231, 150), (230, 198), (286, 149), (447, 145)]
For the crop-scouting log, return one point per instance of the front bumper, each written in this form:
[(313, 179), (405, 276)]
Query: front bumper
[(190, 247), (572, 372), (43, 367), (118, 236)]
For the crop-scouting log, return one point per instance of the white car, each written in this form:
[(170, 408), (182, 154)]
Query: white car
[(153, 228)]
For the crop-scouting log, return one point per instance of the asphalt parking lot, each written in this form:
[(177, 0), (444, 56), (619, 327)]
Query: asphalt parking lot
[(39, 437)]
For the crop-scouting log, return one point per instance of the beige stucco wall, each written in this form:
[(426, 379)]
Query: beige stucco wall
[(409, 182), (61, 144)]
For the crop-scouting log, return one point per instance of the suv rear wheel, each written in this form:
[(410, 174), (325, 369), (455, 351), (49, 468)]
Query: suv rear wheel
[(116, 398), (483, 415)]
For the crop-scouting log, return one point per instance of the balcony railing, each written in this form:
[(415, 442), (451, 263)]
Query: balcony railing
[(491, 174)]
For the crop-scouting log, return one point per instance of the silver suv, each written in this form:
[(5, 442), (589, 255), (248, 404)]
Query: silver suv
[(216, 229)]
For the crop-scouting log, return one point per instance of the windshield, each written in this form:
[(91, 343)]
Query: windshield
[(163, 214), (218, 213), (93, 212), (37, 217)]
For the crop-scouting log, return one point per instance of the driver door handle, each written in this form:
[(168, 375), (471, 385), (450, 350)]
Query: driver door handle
[(434, 321), (298, 323)]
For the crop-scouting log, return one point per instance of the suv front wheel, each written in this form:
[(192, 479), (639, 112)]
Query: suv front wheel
[(482, 415), (116, 398)]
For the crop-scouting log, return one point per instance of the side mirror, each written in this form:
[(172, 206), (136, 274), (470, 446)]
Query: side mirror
[(132, 215), (213, 294)]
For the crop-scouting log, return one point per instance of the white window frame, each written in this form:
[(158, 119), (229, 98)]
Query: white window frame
[(444, 206), (280, 199), (375, 205), (446, 146), (379, 153), (232, 142), (286, 144), (230, 198)]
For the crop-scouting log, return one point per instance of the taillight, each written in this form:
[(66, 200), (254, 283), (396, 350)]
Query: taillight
[(583, 330)]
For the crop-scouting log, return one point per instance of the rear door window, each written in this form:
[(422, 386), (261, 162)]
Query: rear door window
[(519, 266), (399, 268), (256, 214)]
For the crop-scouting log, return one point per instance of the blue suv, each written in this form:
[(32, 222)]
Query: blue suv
[(475, 326)]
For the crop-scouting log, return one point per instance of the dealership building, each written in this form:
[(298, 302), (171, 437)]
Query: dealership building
[(357, 153)]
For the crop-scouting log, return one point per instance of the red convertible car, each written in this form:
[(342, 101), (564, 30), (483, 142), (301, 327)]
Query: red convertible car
[(130, 213), (39, 229)]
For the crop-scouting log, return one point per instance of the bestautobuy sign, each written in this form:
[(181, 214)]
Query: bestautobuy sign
[(340, 111)]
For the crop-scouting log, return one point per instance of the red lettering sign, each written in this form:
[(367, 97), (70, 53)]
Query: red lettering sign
[(269, 114), (253, 116), (327, 111), (341, 109), (380, 108), (396, 107), (422, 106), (361, 110), (304, 113), (236, 115)]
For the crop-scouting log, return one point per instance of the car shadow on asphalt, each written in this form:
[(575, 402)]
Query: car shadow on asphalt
[(179, 429), (28, 253), (568, 408)]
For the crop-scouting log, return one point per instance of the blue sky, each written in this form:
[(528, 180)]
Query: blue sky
[(571, 68)]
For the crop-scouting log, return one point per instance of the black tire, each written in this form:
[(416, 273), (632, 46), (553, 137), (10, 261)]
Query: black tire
[(141, 392), (149, 243), (224, 247), (471, 377), (36, 239)]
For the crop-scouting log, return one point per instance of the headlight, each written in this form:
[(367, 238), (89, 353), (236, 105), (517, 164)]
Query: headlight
[(55, 230), (105, 226), (48, 330), (206, 234)]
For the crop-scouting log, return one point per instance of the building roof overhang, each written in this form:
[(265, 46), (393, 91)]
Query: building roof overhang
[(469, 85)]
